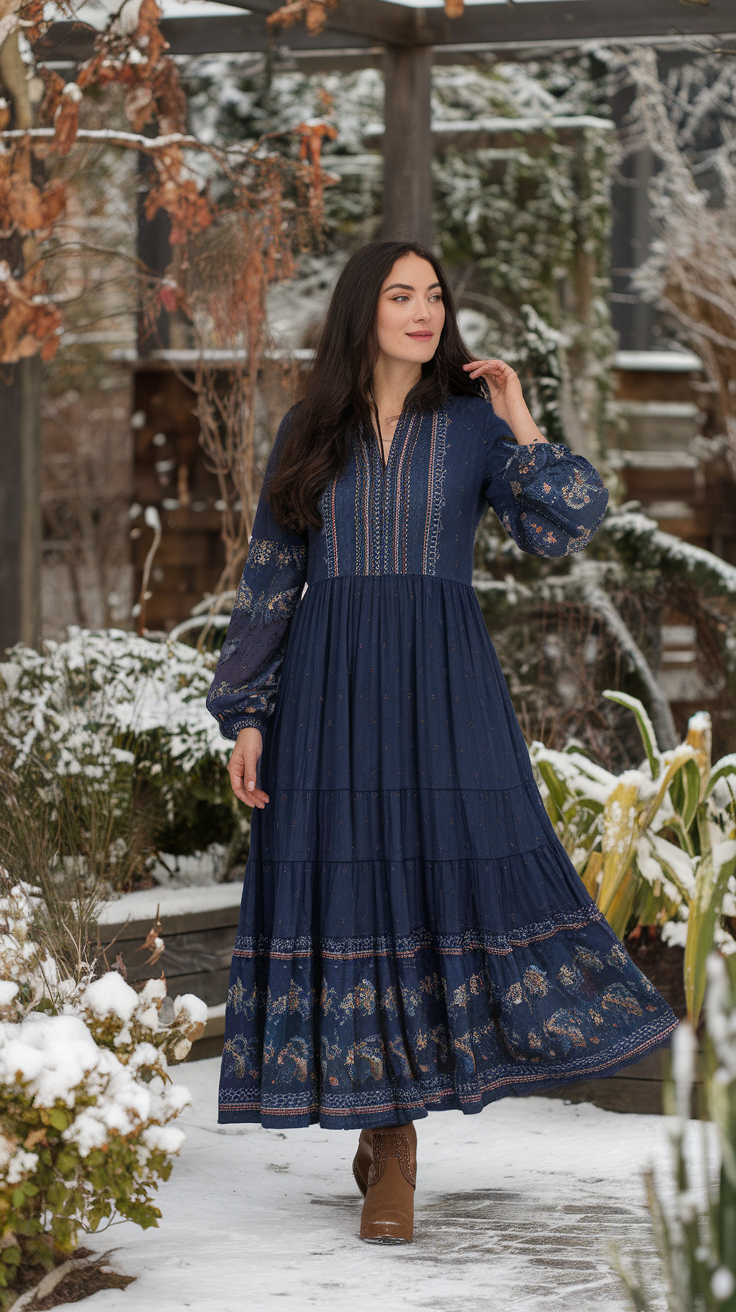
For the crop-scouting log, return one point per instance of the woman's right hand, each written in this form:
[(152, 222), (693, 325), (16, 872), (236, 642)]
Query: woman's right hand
[(242, 768)]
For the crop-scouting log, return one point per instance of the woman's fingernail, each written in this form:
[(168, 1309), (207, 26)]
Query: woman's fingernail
[(250, 784)]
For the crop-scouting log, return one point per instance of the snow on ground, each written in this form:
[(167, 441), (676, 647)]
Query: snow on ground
[(514, 1210)]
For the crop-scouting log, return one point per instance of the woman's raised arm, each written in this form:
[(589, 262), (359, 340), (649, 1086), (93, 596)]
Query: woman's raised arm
[(548, 499)]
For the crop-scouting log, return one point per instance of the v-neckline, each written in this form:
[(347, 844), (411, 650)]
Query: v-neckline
[(379, 442)]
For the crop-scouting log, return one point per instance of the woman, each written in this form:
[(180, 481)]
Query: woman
[(413, 936)]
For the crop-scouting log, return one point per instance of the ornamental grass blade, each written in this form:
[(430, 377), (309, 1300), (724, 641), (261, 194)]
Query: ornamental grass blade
[(721, 770), (559, 793), (713, 874), (691, 785), (646, 728), (619, 909), (620, 832), (592, 872), (679, 757)]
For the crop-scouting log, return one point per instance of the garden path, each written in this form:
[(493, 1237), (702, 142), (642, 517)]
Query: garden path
[(515, 1208)]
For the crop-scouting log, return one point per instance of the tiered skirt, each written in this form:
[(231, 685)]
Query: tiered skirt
[(412, 936)]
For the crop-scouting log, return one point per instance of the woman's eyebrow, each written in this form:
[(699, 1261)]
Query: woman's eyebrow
[(407, 288)]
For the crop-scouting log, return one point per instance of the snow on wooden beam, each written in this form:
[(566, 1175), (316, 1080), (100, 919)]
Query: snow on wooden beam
[(459, 134), (540, 20), (358, 25), (560, 21)]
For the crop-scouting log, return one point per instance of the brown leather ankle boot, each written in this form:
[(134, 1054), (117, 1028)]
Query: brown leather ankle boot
[(362, 1160), (388, 1210)]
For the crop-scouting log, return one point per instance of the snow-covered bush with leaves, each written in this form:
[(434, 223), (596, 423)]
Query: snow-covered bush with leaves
[(120, 721), (656, 845), (86, 1102), (79, 699), (565, 630)]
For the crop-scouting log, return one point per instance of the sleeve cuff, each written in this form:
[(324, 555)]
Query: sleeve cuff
[(232, 728)]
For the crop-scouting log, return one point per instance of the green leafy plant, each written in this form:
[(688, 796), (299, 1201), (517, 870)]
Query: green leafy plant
[(655, 845)]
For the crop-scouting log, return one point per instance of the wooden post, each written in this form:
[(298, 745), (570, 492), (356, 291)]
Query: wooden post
[(20, 505), (407, 144), (632, 231), (20, 420)]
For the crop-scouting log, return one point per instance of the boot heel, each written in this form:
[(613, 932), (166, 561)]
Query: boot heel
[(362, 1160)]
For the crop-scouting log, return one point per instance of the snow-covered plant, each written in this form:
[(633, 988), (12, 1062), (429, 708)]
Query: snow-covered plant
[(86, 1102), (107, 734), (27, 973), (84, 1138), (693, 1218), (81, 697), (657, 844), (564, 630)]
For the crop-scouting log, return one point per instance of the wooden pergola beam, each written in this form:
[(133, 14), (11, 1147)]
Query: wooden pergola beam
[(498, 25), (219, 34), (368, 26)]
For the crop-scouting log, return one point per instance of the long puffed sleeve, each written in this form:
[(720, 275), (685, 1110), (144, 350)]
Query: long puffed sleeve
[(549, 500), (248, 673)]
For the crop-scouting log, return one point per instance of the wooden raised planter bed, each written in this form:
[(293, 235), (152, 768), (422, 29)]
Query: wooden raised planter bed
[(199, 933), (198, 926)]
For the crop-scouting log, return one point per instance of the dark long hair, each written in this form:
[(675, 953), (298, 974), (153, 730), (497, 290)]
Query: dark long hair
[(336, 393)]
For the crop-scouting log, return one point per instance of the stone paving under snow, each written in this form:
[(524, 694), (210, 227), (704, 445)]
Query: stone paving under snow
[(514, 1210)]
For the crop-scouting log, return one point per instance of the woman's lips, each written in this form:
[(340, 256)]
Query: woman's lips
[(421, 336)]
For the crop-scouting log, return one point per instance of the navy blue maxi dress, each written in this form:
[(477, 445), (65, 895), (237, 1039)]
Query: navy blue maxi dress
[(412, 936)]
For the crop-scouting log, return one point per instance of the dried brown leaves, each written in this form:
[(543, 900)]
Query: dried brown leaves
[(24, 207), (187, 206), (28, 320), (313, 13)]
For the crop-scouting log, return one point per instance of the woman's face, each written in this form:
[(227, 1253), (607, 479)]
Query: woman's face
[(410, 314)]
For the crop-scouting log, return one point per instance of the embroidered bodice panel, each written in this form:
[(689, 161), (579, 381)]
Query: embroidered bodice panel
[(416, 514), (419, 513)]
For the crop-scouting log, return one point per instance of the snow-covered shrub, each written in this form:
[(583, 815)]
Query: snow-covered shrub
[(28, 975), (565, 630), (655, 845), (113, 728), (79, 697), (86, 1102)]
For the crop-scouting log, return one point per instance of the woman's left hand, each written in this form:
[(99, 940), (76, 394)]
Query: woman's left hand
[(507, 398)]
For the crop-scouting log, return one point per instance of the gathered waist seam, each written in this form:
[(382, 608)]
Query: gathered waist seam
[(409, 574)]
